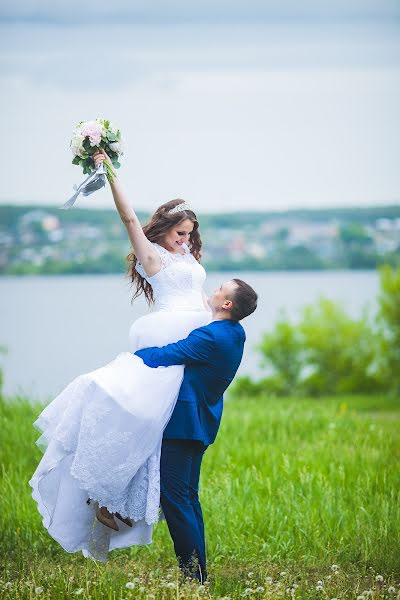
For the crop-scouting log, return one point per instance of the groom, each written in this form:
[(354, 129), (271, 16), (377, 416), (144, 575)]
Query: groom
[(212, 355)]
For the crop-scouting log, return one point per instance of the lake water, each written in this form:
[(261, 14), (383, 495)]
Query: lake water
[(56, 328)]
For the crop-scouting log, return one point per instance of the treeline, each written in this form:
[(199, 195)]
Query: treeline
[(10, 214), (326, 352), (46, 240)]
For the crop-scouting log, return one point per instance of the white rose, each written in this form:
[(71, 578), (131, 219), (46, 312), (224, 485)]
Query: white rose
[(76, 144), (116, 147)]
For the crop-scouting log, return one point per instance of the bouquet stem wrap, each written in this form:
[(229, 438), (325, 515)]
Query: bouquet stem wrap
[(92, 183)]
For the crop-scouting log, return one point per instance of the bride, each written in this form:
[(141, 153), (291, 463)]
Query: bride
[(102, 435)]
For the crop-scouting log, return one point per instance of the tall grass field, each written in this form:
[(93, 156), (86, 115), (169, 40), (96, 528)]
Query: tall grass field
[(301, 499)]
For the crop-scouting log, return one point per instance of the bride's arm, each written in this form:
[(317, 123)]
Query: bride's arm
[(142, 248)]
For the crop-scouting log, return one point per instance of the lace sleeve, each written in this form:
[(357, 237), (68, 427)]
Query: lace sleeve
[(165, 261)]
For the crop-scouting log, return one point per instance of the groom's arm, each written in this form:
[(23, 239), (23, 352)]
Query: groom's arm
[(196, 348)]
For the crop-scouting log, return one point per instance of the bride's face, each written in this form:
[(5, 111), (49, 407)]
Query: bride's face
[(176, 236)]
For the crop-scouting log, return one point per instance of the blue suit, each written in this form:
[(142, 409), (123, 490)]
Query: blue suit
[(211, 355)]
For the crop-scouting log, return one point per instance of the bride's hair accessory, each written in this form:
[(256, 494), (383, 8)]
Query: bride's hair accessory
[(179, 208)]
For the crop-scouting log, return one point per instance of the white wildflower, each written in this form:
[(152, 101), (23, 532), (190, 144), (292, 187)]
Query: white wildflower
[(130, 585)]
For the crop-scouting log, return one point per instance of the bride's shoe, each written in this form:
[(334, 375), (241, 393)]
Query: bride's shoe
[(125, 520), (106, 520)]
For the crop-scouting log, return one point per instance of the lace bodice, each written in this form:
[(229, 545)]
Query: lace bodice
[(179, 283)]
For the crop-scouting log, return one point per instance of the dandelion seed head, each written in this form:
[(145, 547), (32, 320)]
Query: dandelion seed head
[(79, 591), (130, 585), (142, 589), (319, 588), (391, 589), (260, 589), (268, 580), (250, 575), (283, 574), (171, 584), (379, 578), (335, 568), (39, 589), (321, 583)]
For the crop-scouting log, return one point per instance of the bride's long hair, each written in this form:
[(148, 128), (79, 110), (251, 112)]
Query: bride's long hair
[(155, 230)]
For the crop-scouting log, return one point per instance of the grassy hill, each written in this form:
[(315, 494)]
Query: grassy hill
[(290, 488)]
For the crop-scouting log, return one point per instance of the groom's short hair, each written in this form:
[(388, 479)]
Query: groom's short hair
[(244, 300)]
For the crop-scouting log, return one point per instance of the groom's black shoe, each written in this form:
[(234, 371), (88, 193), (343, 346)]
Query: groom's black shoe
[(125, 520), (106, 519)]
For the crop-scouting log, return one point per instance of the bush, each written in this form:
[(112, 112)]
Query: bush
[(282, 351), (327, 352), (389, 328), (338, 351)]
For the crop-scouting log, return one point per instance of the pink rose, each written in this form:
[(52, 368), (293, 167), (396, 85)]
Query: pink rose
[(93, 130)]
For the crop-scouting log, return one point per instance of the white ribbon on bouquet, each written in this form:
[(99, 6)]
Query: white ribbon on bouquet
[(92, 183)]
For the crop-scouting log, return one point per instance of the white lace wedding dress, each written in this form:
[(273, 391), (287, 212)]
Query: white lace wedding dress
[(102, 435)]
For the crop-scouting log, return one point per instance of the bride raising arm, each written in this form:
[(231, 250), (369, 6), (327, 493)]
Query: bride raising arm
[(142, 247)]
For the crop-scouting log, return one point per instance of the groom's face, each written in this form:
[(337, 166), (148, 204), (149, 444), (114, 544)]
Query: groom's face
[(222, 298)]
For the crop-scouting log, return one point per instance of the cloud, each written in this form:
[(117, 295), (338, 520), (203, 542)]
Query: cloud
[(121, 56), (196, 11)]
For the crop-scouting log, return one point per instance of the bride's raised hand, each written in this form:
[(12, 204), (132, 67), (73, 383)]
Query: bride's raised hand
[(99, 156)]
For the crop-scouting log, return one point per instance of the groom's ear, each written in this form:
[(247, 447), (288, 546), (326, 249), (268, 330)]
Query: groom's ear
[(227, 305)]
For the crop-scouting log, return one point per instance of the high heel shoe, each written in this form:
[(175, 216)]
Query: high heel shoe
[(125, 520), (105, 520)]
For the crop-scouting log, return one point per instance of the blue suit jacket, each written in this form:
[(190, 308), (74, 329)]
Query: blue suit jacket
[(212, 355)]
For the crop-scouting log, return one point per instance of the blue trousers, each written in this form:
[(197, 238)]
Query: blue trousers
[(180, 473)]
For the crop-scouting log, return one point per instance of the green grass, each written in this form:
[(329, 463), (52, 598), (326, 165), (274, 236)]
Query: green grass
[(291, 485)]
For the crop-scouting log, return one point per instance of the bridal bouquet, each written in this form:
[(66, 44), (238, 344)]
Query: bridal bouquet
[(87, 138)]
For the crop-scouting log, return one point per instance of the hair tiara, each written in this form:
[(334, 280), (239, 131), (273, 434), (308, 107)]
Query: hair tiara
[(179, 208)]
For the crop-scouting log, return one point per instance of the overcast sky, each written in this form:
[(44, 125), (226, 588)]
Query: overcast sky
[(230, 105)]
